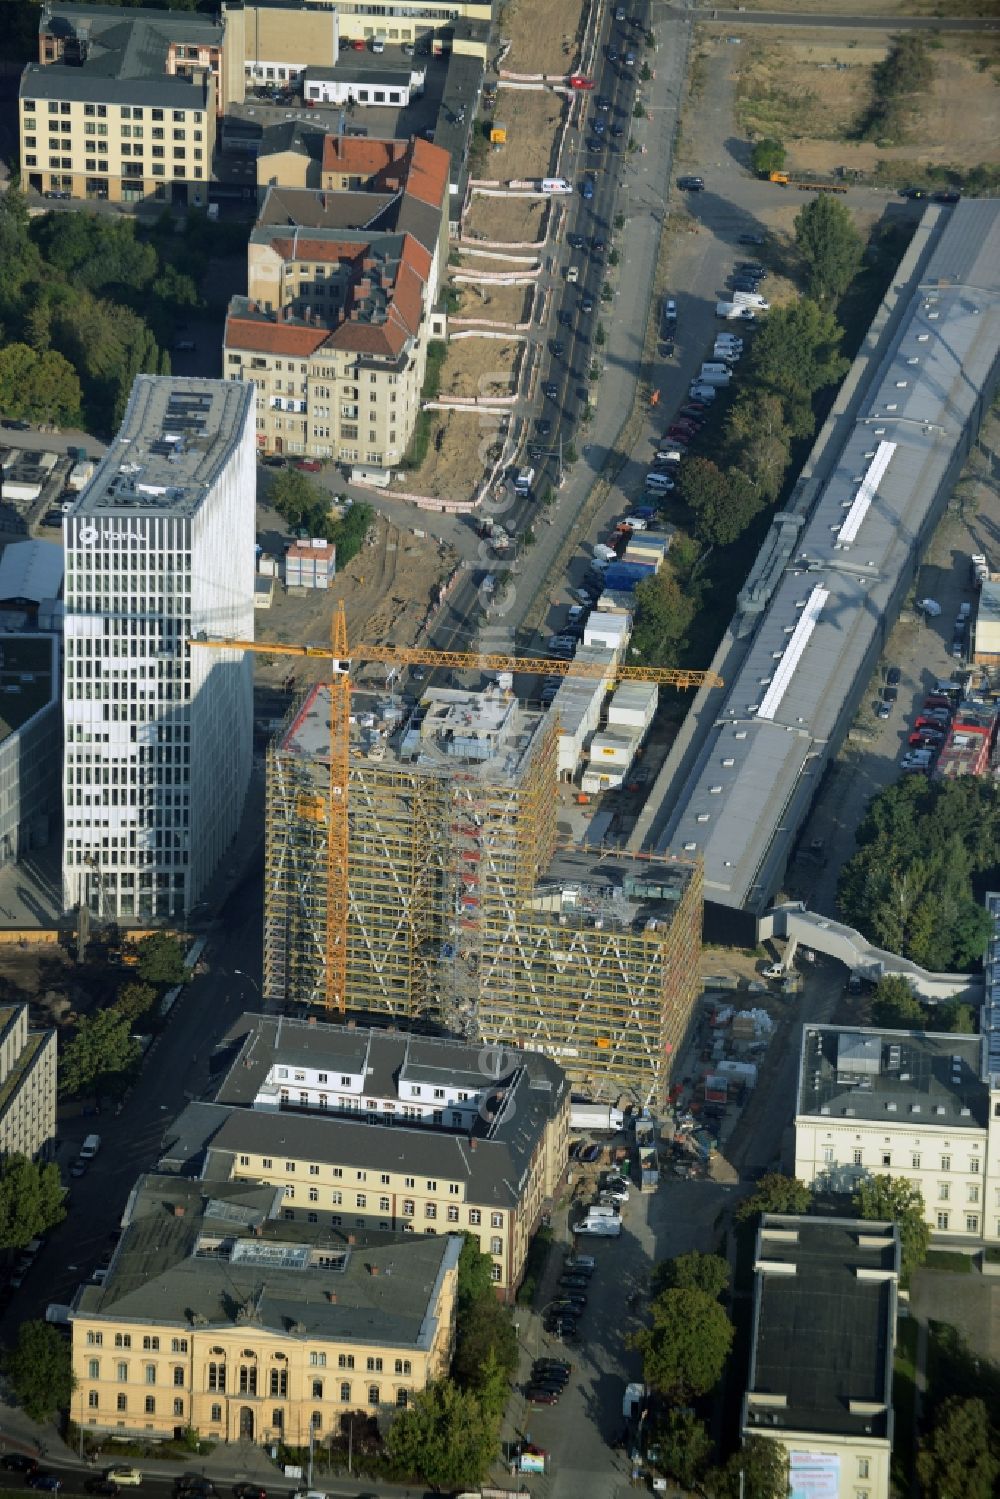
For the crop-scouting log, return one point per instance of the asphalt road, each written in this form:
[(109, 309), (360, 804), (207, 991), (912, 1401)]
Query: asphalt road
[(131, 1142)]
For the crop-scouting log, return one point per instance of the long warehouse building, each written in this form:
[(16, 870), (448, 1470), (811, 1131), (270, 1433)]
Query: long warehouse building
[(831, 579)]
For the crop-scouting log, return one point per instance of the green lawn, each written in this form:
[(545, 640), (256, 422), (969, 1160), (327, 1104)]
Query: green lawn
[(904, 1394)]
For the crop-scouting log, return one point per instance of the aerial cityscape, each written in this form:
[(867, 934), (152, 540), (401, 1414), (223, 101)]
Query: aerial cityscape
[(499, 764)]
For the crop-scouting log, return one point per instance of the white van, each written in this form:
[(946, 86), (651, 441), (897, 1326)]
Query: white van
[(659, 483), (714, 367), (698, 391), (597, 1211), (553, 185), (90, 1147)]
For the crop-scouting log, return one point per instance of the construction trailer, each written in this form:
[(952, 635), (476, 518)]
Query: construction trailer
[(463, 909)]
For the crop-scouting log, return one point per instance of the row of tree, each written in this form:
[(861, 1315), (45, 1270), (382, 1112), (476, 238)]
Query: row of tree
[(909, 887), (795, 357), (87, 302), (450, 1434)]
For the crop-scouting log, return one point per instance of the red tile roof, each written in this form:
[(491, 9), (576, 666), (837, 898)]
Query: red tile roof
[(427, 178), (260, 336), (360, 157)]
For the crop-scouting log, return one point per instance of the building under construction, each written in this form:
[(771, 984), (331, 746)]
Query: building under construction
[(463, 909)]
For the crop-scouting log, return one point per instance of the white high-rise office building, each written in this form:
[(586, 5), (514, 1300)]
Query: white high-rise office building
[(158, 737)]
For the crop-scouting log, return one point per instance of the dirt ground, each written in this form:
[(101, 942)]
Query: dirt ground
[(877, 7), (480, 367), (531, 117), (512, 221), (386, 589), (502, 304), (810, 90), (43, 976), (549, 48), (454, 464)]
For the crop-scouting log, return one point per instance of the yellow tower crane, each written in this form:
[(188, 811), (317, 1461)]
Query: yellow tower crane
[(338, 655)]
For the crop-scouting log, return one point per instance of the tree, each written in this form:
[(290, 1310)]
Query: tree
[(685, 1349), (300, 502), (795, 354), (485, 1339), (758, 1471), (685, 1447), (134, 1000), (38, 386), (758, 440), (473, 1282), (664, 612), (895, 1006), (958, 1459), (444, 1437), (952, 1015), (695, 1271), (909, 886), (723, 503), (897, 1200), (830, 246), (161, 959), (776, 1194), (100, 1055), (768, 156), (40, 1370), (31, 1200)]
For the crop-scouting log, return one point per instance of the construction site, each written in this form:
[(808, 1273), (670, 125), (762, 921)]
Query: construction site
[(468, 908)]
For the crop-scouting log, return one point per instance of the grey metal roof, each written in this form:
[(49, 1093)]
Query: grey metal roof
[(823, 1331), (453, 127), (906, 1078), (176, 435), (922, 400), (339, 214), (31, 570), (94, 86), (191, 1256), (527, 1087), (105, 22)]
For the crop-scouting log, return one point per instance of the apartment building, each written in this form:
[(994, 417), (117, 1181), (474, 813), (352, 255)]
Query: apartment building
[(218, 1314), (121, 105), (27, 1085), (341, 287), (158, 737), (821, 1363), (924, 1106), (367, 1130)]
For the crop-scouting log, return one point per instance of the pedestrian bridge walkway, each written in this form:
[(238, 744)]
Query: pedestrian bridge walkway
[(807, 929)]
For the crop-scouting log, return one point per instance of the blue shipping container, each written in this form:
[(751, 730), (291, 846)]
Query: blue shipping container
[(625, 575)]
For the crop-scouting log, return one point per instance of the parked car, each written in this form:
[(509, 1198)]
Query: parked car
[(750, 239), (553, 1363), (101, 1486), (580, 1261), (19, 1462), (47, 1481), (124, 1475), (539, 1396), (893, 677), (691, 184), (591, 1154), (308, 465), (15, 424)]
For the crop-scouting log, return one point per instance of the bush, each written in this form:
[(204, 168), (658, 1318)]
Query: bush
[(768, 156)]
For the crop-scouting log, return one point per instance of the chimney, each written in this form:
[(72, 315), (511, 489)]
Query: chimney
[(179, 1210)]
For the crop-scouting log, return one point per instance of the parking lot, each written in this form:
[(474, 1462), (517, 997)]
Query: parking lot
[(580, 1433)]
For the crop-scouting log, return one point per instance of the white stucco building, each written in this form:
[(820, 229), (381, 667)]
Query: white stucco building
[(159, 548), (914, 1104)]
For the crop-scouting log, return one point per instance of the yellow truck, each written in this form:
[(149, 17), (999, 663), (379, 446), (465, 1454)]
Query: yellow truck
[(782, 179)]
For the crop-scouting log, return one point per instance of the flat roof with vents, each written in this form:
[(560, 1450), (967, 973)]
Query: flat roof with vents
[(175, 437), (823, 1328), (922, 1078), (861, 515)]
